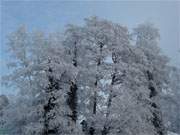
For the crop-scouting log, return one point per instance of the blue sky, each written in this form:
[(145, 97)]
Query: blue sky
[(54, 15)]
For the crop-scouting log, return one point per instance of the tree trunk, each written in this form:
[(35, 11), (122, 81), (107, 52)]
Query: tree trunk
[(75, 55), (72, 101), (50, 91), (106, 129), (157, 116), (95, 97)]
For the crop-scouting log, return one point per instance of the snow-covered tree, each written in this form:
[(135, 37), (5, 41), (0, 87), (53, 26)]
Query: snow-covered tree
[(155, 69), (170, 101), (89, 80)]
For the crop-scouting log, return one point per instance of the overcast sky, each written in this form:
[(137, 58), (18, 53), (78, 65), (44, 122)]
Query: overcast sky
[(54, 15)]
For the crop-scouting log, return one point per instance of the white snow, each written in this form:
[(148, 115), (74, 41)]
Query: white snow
[(108, 60), (105, 82), (37, 95), (171, 133)]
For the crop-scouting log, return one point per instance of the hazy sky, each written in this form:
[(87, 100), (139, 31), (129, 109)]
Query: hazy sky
[(52, 16)]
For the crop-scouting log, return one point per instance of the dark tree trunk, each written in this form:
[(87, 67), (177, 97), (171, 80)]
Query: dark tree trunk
[(99, 61), (106, 129), (72, 94), (95, 97), (52, 87), (91, 131), (157, 118), (72, 101), (95, 102), (75, 55)]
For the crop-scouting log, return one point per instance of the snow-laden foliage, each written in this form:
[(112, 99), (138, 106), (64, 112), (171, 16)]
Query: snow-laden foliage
[(172, 133), (170, 101), (88, 80)]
